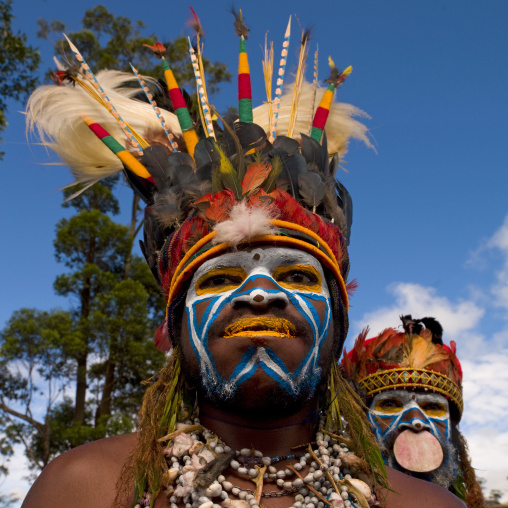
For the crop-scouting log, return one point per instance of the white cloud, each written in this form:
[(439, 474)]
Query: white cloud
[(488, 448), (498, 244), (421, 301), (15, 484)]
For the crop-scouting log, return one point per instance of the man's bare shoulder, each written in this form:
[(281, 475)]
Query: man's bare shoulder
[(411, 492), (84, 477)]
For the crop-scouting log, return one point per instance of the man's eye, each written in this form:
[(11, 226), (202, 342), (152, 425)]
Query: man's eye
[(389, 405), (298, 276), (433, 408), (220, 280)]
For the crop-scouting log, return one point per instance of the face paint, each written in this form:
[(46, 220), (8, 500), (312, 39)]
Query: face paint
[(399, 409), (254, 283), (413, 428)]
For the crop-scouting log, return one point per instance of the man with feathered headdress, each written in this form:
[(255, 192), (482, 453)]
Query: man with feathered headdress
[(246, 231), (412, 384)]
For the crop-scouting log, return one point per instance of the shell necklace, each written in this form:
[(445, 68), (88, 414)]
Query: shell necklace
[(197, 459)]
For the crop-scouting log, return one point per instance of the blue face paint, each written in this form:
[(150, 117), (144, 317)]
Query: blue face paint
[(402, 409), (258, 267)]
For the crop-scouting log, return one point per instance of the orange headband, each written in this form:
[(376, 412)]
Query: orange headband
[(183, 272)]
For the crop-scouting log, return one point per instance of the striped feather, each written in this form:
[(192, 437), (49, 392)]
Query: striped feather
[(54, 113), (340, 127)]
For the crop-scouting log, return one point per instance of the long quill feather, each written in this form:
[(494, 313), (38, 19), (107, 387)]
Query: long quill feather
[(157, 111), (280, 81), (91, 76)]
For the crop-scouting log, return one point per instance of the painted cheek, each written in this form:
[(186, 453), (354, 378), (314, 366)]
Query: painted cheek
[(382, 424), (442, 429)]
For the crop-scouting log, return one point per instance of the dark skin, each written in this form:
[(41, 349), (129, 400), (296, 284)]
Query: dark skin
[(86, 477)]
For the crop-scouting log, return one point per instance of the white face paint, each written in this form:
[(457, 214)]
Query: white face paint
[(255, 282), (403, 409)]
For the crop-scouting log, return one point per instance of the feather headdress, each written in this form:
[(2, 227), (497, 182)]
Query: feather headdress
[(205, 198), (241, 185), (413, 359)]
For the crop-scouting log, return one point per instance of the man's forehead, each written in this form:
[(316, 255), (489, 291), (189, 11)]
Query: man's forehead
[(406, 396), (265, 257)]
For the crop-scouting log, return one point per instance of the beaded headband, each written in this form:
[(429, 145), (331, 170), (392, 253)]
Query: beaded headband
[(252, 176)]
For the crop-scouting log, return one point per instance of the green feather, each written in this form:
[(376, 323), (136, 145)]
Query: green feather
[(269, 184), (228, 174)]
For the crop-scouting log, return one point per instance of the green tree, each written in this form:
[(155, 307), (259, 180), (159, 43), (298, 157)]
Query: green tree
[(35, 349), (110, 42), (82, 369), (18, 64)]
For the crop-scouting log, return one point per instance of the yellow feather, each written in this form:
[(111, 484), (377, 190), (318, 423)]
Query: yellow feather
[(419, 353)]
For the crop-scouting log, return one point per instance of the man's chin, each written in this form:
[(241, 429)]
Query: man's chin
[(258, 397)]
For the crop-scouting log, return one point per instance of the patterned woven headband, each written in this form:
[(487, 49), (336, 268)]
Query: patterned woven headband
[(392, 379)]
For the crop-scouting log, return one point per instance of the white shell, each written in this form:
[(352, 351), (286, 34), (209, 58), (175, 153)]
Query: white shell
[(361, 486), (235, 503), (181, 445), (171, 474)]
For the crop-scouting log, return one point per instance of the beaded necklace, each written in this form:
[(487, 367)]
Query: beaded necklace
[(197, 459)]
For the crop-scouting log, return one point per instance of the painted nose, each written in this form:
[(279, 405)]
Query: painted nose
[(414, 420), (260, 298)]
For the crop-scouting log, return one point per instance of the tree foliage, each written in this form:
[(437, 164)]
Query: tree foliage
[(18, 63), (73, 376), (110, 42)]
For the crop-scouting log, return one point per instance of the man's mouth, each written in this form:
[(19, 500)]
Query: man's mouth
[(261, 327)]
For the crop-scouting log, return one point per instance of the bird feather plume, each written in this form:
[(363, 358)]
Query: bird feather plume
[(239, 24), (54, 113), (420, 353), (340, 127)]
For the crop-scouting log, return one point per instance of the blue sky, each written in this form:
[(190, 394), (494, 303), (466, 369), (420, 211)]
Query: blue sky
[(429, 235)]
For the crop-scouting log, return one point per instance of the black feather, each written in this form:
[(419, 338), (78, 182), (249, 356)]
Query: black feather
[(289, 145), (142, 187), (181, 168), (292, 166), (154, 238), (347, 207), (239, 24), (204, 172), (333, 211), (435, 328), (205, 152), (251, 136), (315, 155), (334, 165), (311, 188), (155, 159)]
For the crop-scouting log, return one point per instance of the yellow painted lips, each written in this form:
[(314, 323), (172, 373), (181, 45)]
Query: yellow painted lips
[(261, 327)]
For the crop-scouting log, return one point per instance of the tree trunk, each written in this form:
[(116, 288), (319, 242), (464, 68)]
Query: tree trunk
[(79, 407), (82, 359), (109, 381)]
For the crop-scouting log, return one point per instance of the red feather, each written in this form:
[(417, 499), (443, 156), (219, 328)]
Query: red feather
[(254, 176)]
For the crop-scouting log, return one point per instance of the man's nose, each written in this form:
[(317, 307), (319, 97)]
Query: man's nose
[(414, 420), (261, 293)]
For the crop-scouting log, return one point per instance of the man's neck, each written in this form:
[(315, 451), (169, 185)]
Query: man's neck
[(271, 436)]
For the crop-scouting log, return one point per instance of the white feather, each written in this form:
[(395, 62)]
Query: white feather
[(340, 126), (54, 113), (244, 222)]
